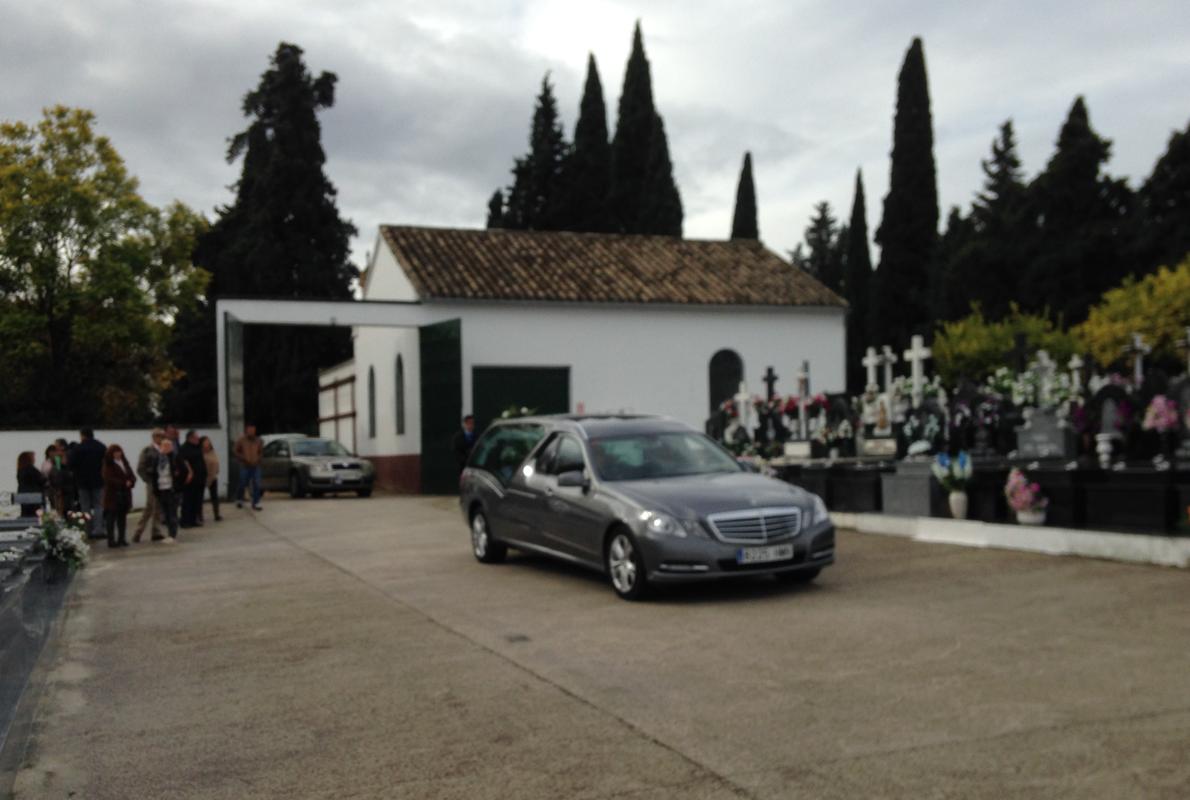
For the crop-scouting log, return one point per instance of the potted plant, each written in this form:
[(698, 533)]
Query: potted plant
[(954, 474), (64, 542), (1025, 498)]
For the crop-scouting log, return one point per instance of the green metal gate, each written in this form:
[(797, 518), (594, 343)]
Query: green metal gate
[(441, 349)]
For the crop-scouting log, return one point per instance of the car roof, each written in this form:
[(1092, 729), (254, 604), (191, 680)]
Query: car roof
[(600, 426)]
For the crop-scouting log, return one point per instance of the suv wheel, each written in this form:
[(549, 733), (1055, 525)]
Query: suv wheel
[(625, 567), (486, 549)]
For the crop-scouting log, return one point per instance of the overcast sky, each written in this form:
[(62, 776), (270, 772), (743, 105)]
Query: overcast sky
[(434, 98)]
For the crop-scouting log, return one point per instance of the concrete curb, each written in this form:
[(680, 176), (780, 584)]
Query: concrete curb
[(1165, 551)]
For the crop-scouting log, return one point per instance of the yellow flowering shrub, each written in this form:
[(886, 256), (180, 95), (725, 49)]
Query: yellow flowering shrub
[(975, 346), (1157, 307)]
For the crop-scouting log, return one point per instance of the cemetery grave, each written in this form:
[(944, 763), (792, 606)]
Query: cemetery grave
[(1108, 448)]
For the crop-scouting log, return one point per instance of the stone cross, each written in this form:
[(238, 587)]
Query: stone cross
[(871, 362), (916, 356), (803, 400), (1020, 351), (1045, 373), (743, 405), (887, 359), (770, 380), (1138, 350), (1184, 344), (1075, 365)]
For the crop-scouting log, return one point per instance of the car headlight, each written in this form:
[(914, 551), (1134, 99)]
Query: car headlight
[(819, 514), (661, 524)]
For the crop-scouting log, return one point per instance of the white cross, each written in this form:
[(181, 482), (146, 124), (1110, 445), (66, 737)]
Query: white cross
[(743, 405), (916, 355), (1075, 365), (870, 362), (803, 389), (887, 359), (1045, 372)]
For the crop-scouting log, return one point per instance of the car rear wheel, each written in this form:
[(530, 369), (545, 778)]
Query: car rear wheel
[(296, 489), (486, 549), (625, 566)]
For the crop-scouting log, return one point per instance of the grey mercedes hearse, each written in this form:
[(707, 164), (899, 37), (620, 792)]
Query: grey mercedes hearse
[(645, 500)]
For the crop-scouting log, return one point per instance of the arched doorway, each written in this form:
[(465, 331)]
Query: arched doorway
[(726, 371)]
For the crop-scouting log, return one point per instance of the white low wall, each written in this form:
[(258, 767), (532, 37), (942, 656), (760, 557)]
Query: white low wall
[(1166, 551), (13, 443)]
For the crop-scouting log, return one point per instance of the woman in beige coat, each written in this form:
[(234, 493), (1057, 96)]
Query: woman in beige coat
[(211, 458)]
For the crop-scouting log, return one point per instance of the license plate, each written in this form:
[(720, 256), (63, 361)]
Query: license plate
[(762, 555)]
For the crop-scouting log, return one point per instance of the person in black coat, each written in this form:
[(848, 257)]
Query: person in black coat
[(85, 462), (191, 453), (29, 481)]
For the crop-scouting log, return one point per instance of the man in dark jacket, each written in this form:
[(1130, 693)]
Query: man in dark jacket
[(191, 453), (464, 440), (86, 464)]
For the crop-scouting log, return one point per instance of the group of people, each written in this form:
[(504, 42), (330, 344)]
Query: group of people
[(98, 481)]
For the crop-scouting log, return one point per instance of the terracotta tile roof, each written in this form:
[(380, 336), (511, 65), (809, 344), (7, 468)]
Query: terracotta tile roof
[(446, 263)]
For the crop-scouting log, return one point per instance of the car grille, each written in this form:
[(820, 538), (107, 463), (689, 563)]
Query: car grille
[(756, 524), (341, 465)]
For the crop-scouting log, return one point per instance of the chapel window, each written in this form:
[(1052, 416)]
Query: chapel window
[(400, 395), (371, 403)]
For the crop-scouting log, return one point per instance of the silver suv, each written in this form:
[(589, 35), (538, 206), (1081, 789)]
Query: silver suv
[(644, 500)]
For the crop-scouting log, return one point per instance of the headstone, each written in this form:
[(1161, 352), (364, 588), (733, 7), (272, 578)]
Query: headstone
[(803, 395), (1043, 436), (1075, 365), (916, 357), (770, 380), (887, 359), (871, 361), (743, 406), (1045, 368)]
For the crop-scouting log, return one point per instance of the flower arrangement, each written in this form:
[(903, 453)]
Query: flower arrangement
[(1022, 494), (512, 412), (64, 539), (953, 473), (1161, 415)]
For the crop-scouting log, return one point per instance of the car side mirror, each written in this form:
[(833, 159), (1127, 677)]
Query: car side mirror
[(575, 479)]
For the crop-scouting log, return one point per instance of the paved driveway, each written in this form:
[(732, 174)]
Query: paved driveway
[(353, 648)]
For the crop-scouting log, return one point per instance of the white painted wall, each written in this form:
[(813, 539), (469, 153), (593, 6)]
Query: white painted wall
[(377, 348), (386, 279), (12, 443), (652, 360)]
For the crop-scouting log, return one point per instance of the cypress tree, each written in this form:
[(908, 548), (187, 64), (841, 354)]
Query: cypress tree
[(661, 205), (743, 222), (496, 210), (536, 198), (823, 256), (857, 288), (908, 230), (960, 269), (282, 236), (588, 167), (1083, 224), (1165, 204)]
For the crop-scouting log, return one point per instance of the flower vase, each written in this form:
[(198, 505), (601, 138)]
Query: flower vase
[(958, 505), (1032, 516)]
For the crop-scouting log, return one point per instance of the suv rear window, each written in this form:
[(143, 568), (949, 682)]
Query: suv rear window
[(502, 449)]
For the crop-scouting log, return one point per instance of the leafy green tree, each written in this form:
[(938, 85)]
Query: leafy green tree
[(1156, 306), (91, 277), (661, 205), (282, 236), (587, 169), (908, 231), (1083, 222), (1165, 206), (496, 210), (537, 197), (743, 222), (857, 288), (643, 195)]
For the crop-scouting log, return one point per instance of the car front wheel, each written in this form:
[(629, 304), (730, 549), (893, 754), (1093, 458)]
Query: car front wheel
[(296, 489), (625, 566), (486, 549)]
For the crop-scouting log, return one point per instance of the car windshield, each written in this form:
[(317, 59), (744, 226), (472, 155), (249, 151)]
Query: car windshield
[(659, 455), (319, 447)]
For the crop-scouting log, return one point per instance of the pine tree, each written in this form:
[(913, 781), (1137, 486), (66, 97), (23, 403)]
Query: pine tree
[(587, 171), (822, 256), (643, 197), (1165, 205), (961, 268), (1084, 225), (496, 210), (661, 205), (857, 289), (908, 231), (282, 236), (743, 222), (537, 195)]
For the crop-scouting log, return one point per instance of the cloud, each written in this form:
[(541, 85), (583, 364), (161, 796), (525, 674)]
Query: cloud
[(434, 100)]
